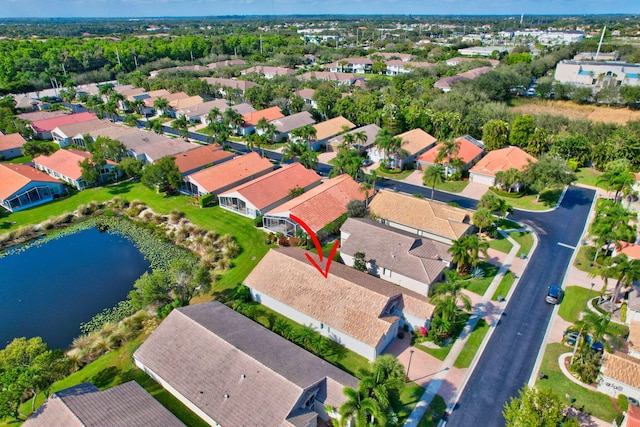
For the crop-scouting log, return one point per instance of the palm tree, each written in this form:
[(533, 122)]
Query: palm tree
[(181, 125), (359, 137), (466, 252), (448, 149), (369, 184), (349, 162), (360, 410), (266, 128), (309, 158), (155, 125), (483, 219), (433, 175), (389, 144), (212, 115), (348, 140), (291, 150), (304, 134), (233, 119), (219, 135), (130, 120), (137, 105), (626, 272), (163, 105), (453, 287), (601, 328)]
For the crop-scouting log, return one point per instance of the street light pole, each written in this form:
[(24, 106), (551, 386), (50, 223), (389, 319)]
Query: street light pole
[(409, 365)]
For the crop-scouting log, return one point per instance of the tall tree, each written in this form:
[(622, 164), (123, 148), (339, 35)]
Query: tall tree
[(522, 127), (304, 134), (162, 105), (534, 407), (181, 125), (448, 151), (389, 144), (433, 175), (483, 219), (547, 173), (163, 175), (466, 252), (619, 178)]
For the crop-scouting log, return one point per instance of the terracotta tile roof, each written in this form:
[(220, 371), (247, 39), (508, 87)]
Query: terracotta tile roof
[(233, 171), (502, 160), (132, 92), (633, 416), (13, 140), (268, 70), (235, 370), (328, 75), (403, 253), (629, 249), (416, 140), (445, 83), (371, 131), (13, 177), (305, 93), (348, 300), (81, 128), (621, 367), (226, 63), (42, 115), (65, 162), (467, 152), (294, 121), (634, 335), (433, 217), (127, 404), (275, 186), (332, 127), (269, 114), (322, 204), (229, 83), (187, 102), (202, 156), (47, 125)]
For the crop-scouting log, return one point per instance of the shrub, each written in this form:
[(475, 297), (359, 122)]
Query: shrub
[(257, 221), (623, 312), (206, 200), (623, 402), (356, 209)]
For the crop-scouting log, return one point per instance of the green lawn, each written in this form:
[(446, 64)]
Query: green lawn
[(507, 224), (500, 243), (21, 159), (574, 302), (472, 345), (409, 397), (504, 286), (588, 176), (434, 413), (452, 186), (548, 199), (597, 404), (524, 239), (439, 353), (480, 286), (584, 260), (397, 176)]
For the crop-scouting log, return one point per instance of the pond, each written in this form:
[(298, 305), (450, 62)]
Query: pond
[(48, 290)]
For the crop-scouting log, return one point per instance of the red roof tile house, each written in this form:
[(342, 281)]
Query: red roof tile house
[(445, 83), (229, 85), (469, 151), (11, 146), (632, 418), (65, 165), (225, 176), (317, 207), (269, 72), (22, 187), (263, 194), (231, 371), (414, 143), (73, 134), (198, 158), (43, 128), (251, 119), (631, 250), (127, 404), (350, 307), (484, 172)]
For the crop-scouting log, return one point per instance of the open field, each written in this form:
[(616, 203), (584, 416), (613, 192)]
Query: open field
[(575, 111)]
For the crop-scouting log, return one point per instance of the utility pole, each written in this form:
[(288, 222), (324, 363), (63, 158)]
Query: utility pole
[(118, 56), (600, 44)]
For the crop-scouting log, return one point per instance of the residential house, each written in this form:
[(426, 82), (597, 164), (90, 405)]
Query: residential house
[(328, 129), (426, 218), (188, 68), (11, 146), (484, 172), (82, 405), (318, 207), (73, 134), (242, 108), (370, 132), (351, 65), (269, 191), (183, 103), (113, 132), (34, 116), (22, 187), (228, 85), (414, 143), (397, 66), (470, 150), (231, 371), (225, 176), (201, 157), (42, 128), (286, 124), (413, 262), (359, 311), (307, 96), (389, 56), (65, 165), (150, 147), (251, 119), (485, 51), (227, 63), (633, 320), (198, 113), (632, 417), (631, 250), (340, 78), (459, 60), (24, 102), (446, 83), (269, 72), (597, 74), (619, 374)]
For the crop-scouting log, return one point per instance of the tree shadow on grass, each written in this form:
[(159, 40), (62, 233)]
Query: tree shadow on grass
[(104, 377), (122, 188), (550, 197)]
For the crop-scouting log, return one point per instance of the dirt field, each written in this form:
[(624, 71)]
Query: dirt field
[(575, 111)]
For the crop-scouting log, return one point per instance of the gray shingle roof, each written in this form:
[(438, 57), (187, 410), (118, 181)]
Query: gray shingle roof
[(233, 369), (294, 121), (126, 405)]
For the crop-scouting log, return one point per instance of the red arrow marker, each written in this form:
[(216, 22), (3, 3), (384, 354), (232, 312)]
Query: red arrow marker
[(316, 242)]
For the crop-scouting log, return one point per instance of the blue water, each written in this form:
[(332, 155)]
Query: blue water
[(49, 290)]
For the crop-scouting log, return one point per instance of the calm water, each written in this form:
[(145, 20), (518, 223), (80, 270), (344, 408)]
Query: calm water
[(49, 290)]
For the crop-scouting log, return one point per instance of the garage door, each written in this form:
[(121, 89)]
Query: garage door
[(482, 179)]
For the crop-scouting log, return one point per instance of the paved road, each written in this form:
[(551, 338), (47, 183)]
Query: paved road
[(509, 357)]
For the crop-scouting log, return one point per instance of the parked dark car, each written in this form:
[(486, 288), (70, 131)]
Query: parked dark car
[(555, 294)]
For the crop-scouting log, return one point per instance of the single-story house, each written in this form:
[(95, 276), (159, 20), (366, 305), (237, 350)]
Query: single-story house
[(470, 150), (201, 157), (633, 319), (65, 165), (82, 405), (251, 119), (269, 191), (231, 371), (359, 311), (619, 374), (445, 83), (73, 134), (286, 124), (317, 207), (427, 218), (22, 187), (484, 172), (339, 78), (459, 60), (11, 146), (631, 250), (396, 256), (414, 143), (189, 68), (223, 177), (42, 128), (149, 146), (328, 129), (307, 96), (242, 108), (370, 132), (226, 63), (227, 85), (34, 116), (404, 57), (183, 103), (269, 72), (198, 113), (632, 417)]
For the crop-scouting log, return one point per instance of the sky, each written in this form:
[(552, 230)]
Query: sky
[(147, 8)]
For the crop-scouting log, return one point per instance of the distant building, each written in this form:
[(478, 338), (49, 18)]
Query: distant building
[(445, 84), (598, 74), (482, 50)]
